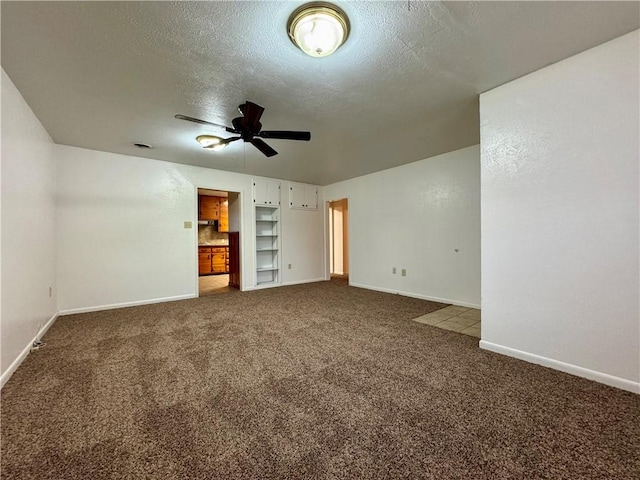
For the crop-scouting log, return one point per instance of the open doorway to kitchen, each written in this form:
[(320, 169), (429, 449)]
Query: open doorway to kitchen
[(339, 238), (218, 241)]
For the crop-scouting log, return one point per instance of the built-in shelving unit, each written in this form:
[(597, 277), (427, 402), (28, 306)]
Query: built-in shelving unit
[(266, 200), (267, 244)]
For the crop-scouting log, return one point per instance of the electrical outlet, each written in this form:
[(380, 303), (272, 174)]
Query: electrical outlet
[(50, 291), (289, 266), (404, 272), (393, 270)]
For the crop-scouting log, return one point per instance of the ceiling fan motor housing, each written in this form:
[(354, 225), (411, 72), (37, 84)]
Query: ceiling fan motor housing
[(243, 130)]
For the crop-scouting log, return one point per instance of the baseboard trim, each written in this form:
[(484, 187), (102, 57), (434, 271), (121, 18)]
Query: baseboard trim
[(283, 284), (300, 282), (599, 377), (112, 306), (25, 352), (415, 295)]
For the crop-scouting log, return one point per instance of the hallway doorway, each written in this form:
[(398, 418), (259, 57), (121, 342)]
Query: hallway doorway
[(339, 238), (219, 213)]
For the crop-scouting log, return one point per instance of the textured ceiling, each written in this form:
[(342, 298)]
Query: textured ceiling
[(405, 85)]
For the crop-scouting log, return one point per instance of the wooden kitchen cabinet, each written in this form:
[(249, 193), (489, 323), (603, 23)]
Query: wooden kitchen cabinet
[(223, 220), (209, 208), (204, 261), (218, 263), (218, 259), (213, 260)]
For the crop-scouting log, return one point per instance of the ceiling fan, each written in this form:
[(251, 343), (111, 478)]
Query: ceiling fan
[(249, 128)]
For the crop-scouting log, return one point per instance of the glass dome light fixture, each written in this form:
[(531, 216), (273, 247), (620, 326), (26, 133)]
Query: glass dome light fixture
[(211, 142), (318, 28)]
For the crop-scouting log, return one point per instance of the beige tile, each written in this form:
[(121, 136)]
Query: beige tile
[(466, 322), (473, 314), (426, 320), (474, 331), (447, 325), (454, 309), (441, 314), (432, 318)]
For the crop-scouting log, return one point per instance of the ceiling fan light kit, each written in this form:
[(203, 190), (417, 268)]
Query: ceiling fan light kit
[(318, 28), (211, 142)]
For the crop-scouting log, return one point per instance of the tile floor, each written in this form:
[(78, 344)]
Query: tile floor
[(458, 319), (210, 284)]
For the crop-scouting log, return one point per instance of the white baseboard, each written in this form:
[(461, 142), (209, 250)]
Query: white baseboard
[(111, 306), (415, 295), (283, 284), (16, 363), (300, 282), (607, 379)]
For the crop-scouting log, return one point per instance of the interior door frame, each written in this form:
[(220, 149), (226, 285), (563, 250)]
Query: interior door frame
[(328, 239), (195, 234)]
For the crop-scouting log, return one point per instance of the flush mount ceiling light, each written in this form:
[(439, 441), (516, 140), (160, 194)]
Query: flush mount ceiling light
[(318, 28), (211, 142)]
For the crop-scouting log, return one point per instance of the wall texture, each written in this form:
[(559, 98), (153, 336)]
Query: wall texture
[(121, 238), (423, 217), (560, 215), (27, 213)]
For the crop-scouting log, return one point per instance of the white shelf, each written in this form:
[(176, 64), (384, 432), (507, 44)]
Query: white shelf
[(267, 244)]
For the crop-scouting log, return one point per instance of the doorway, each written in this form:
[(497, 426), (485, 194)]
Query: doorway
[(339, 238), (218, 241)]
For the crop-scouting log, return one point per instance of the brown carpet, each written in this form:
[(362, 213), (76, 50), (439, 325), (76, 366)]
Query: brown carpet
[(318, 381)]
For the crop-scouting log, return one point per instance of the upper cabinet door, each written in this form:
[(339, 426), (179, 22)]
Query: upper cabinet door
[(296, 196), (311, 197), (266, 193), (223, 220), (209, 208), (303, 196)]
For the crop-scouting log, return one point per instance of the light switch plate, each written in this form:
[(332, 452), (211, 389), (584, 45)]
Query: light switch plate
[(188, 224)]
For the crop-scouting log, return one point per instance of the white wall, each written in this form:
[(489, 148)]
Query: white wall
[(120, 229), (560, 215), (414, 217), (28, 211), (302, 241), (121, 238)]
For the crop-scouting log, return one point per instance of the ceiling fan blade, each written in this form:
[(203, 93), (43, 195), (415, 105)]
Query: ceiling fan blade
[(197, 120), (263, 147), (229, 140), (286, 135), (224, 141), (252, 113)]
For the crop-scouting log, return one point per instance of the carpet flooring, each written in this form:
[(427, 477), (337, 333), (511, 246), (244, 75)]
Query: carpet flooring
[(317, 381)]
